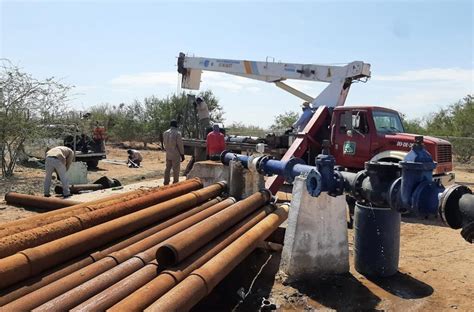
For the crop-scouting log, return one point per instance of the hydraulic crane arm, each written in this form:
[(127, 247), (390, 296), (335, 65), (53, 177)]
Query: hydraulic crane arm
[(338, 77)]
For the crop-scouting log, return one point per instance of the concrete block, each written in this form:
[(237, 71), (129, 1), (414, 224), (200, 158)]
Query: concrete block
[(243, 182), (209, 171), (236, 179), (316, 236)]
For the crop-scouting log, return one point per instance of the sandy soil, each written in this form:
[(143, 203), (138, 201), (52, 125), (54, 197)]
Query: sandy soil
[(436, 264), (30, 180)]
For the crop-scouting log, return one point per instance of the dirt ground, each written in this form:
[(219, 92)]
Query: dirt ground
[(30, 180), (436, 264)]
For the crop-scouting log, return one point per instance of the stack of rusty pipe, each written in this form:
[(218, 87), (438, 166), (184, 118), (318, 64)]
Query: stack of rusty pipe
[(131, 252)]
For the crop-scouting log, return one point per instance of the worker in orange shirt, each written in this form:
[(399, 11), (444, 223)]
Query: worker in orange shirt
[(215, 143)]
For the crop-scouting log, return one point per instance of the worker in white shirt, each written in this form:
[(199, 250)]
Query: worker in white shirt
[(58, 159), (203, 116)]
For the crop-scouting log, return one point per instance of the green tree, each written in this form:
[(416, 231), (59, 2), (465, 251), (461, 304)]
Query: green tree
[(284, 121), (414, 126), (27, 106), (239, 128), (454, 123)]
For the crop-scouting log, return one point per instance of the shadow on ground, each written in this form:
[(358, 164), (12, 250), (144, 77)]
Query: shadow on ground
[(403, 285), (342, 292), (431, 220)]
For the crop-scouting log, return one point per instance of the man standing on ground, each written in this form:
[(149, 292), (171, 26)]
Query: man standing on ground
[(58, 159), (203, 115), (215, 143), (174, 152)]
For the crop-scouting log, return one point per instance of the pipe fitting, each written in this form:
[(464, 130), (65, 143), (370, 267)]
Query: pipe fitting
[(457, 206), (313, 183), (457, 210), (227, 156)]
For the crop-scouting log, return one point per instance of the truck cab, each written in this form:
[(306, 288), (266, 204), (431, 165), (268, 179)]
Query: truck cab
[(361, 133)]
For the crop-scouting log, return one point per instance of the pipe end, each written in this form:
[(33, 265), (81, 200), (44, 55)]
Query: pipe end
[(449, 205), (222, 157), (223, 184), (313, 183), (267, 193), (166, 256)]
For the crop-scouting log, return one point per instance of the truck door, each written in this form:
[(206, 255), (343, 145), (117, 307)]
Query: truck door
[(352, 138)]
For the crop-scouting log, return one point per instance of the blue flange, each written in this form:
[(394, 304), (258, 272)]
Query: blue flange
[(313, 183)]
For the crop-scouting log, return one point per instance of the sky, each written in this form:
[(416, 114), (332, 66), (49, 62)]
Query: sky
[(421, 52)]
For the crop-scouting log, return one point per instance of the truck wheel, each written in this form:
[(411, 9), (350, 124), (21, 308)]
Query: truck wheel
[(92, 164)]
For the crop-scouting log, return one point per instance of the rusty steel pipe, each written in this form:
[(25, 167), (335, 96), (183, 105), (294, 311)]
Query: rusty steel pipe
[(124, 263), (201, 281), (37, 202), (136, 298), (24, 224), (177, 248), (30, 285), (89, 270), (40, 235), (34, 260), (121, 289), (21, 225)]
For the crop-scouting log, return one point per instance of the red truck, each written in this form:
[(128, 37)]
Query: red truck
[(359, 134)]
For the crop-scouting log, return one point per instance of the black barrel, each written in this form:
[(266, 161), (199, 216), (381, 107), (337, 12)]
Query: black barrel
[(376, 240)]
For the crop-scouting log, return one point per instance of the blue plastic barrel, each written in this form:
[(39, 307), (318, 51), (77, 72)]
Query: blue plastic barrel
[(376, 240)]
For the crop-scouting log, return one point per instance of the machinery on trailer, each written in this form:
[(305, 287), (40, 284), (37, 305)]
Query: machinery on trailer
[(87, 149), (357, 133)]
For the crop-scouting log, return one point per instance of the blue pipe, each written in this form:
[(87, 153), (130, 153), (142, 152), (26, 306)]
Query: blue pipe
[(227, 156), (415, 191)]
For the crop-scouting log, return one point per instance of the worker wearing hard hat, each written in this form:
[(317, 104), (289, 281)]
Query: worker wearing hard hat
[(174, 152), (203, 115), (215, 143), (58, 159), (134, 158), (301, 123)]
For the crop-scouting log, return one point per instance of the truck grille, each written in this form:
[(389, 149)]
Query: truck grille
[(444, 153)]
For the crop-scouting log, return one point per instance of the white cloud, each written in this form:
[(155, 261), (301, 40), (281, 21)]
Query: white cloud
[(208, 80), (147, 79), (430, 74), (416, 93), (228, 82)]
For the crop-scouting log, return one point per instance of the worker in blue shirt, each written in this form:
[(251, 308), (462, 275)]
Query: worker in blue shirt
[(301, 123)]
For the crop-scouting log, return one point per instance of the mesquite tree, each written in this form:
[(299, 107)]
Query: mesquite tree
[(27, 106)]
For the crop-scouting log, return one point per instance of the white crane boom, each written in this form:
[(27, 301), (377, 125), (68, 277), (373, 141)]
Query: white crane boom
[(338, 77)]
